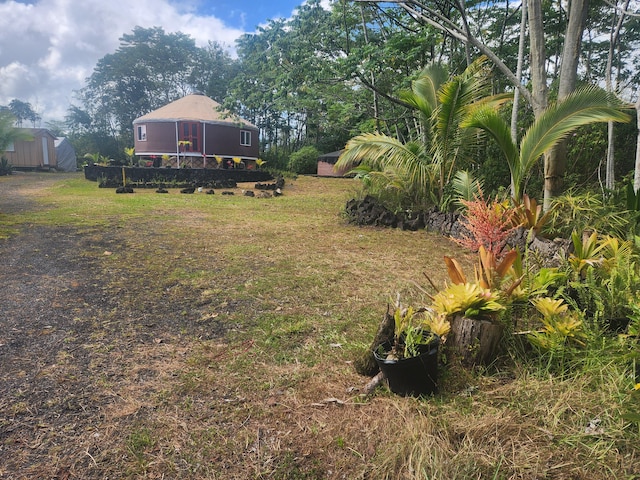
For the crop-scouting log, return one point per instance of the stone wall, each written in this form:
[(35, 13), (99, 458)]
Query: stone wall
[(369, 211)]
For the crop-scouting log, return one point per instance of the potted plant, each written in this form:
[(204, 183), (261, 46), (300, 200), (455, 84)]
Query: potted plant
[(409, 361)]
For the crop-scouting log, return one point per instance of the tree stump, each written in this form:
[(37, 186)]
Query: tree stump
[(474, 342), (366, 363)]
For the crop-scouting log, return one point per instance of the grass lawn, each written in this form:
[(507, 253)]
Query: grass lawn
[(212, 337)]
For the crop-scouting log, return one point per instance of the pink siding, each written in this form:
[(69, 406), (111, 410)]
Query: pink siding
[(326, 170)]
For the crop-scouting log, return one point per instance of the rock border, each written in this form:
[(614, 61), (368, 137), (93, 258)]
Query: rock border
[(370, 212)]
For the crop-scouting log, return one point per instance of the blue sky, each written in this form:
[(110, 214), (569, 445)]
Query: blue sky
[(49, 47), (247, 14)]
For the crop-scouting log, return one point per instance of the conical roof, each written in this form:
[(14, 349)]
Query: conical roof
[(196, 107)]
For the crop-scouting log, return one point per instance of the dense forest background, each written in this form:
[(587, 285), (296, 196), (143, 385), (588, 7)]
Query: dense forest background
[(324, 76)]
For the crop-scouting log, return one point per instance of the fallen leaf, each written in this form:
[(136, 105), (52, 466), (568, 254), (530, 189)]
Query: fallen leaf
[(327, 401)]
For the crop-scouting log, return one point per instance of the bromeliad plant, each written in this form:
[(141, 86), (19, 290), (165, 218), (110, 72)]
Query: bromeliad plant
[(474, 309), (528, 214), (130, 154), (408, 358), (560, 326), (469, 300), (484, 298), (490, 273), (534, 283), (488, 224), (588, 251), (605, 279)]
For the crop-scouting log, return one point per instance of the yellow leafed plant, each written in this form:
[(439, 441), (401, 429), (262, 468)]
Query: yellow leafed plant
[(549, 306), (468, 299), (560, 326), (438, 324)]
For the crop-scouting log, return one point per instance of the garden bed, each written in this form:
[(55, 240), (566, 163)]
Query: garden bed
[(156, 176)]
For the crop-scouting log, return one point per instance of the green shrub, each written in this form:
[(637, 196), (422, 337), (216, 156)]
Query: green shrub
[(276, 161), (5, 167), (304, 160), (391, 189), (585, 211)]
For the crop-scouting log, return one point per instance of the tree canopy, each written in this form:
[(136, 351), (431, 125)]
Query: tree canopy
[(326, 75), (22, 111), (9, 133)]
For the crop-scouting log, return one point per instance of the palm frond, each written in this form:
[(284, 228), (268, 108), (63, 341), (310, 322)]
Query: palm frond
[(423, 95), (582, 107), (455, 97), (465, 186), (447, 118), (493, 101), (383, 152), (479, 67), (486, 118), (429, 82), (416, 101)]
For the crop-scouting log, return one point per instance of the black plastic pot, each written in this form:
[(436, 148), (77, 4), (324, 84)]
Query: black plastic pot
[(413, 376), (617, 324)]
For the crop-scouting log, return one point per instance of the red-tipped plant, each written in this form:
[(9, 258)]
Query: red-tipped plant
[(488, 224)]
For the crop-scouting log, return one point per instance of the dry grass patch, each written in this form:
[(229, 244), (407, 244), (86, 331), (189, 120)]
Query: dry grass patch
[(199, 336)]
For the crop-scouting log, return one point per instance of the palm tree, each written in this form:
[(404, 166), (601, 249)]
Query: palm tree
[(582, 107), (9, 133), (427, 165)]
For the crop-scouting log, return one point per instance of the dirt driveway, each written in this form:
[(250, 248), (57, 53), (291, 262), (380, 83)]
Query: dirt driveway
[(75, 332)]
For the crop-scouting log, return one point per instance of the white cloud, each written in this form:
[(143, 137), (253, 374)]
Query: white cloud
[(49, 47), (16, 77)]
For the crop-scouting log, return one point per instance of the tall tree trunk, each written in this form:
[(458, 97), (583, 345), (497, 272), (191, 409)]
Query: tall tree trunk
[(610, 176), (463, 16), (538, 58), (516, 93), (555, 162), (376, 115), (636, 175), (609, 182)]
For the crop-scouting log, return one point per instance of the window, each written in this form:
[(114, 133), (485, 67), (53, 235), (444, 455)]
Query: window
[(245, 138), (11, 147), (142, 133)]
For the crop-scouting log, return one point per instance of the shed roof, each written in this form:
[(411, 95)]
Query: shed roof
[(195, 107), (331, 157), (38, 132)]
